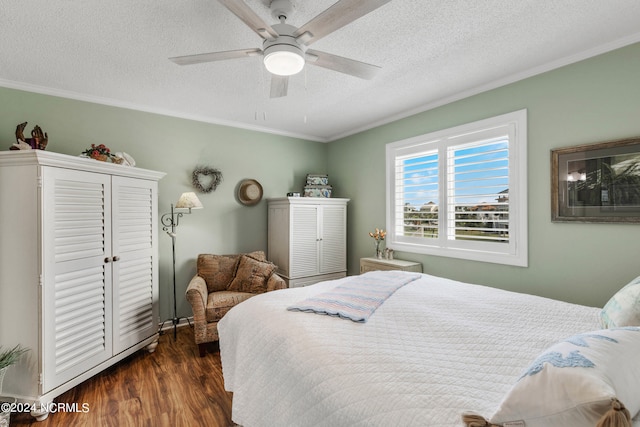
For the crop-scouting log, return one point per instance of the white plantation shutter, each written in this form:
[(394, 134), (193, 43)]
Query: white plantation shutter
[(477, 200), (461, 192)]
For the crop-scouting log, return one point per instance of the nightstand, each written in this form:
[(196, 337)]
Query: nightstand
[(372, 264)]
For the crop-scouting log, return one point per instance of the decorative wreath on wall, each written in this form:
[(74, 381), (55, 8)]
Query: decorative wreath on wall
[(205, 179)]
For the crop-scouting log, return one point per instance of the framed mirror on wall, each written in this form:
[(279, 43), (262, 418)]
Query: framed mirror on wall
[(596, 182)]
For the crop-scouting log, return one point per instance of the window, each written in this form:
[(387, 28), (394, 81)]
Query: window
[(461, 192)]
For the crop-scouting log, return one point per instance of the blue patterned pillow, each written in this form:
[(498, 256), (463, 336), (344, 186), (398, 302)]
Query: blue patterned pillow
[(577, 382), (623, 309)]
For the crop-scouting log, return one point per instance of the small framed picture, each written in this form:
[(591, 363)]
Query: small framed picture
[(596, 182)]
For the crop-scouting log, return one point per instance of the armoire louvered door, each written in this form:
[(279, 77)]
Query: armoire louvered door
[(76, 233), (333, 256), (135, 312), (305, 241)]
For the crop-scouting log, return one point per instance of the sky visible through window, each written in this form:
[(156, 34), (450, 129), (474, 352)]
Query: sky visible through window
[(479, 175)]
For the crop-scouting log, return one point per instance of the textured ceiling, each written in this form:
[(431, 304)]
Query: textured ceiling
[(431, 52)]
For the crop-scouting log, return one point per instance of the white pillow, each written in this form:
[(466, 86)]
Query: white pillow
[(623, 309), (575, 382)]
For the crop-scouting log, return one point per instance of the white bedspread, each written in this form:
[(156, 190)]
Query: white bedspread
[(433, 350)]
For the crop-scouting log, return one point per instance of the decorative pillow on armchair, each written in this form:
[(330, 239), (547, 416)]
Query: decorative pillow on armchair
[(217, 270), (586, 379), (623, 309), (257, 255), (252, 275)]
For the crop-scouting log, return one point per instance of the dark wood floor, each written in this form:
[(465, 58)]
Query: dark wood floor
[(173, 386)]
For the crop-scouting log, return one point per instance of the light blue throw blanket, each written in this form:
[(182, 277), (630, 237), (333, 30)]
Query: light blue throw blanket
[(357, 298)]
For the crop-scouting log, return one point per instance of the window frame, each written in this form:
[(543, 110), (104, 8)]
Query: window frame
[(516, 251)]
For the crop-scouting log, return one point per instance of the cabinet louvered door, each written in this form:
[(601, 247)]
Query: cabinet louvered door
[(135, 307), (304, 241), (333, 246), (76, 233)]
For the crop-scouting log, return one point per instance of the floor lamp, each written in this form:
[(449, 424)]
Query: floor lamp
[(170, 222)]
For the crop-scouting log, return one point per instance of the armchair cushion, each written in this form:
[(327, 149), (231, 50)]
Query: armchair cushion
[(219, 303), (252, 275)]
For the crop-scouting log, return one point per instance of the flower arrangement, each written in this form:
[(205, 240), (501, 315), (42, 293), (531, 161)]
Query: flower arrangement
[(98, 152), (378, 236)]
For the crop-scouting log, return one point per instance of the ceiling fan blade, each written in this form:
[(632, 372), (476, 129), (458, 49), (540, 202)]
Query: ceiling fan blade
[(249, 17), (215, 56), (342, 65), (337, 16), (279, 86)]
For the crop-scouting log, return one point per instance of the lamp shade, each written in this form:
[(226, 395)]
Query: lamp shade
[(189, 201), (283, 59)]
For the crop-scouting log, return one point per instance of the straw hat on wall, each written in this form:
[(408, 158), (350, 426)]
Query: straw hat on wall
[(249, 192)]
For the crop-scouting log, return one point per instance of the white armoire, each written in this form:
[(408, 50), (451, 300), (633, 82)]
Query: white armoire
[(307, 238), (78, 268)]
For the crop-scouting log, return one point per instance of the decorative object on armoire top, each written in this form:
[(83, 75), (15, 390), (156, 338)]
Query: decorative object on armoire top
[(170, 222), (206, 179), (38, 140), (125, 159), (249, 192), (98, 152), (315, 179), (317, 186)]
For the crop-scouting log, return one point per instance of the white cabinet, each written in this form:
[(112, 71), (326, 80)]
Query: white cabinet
[(308, 238), (78, 268)]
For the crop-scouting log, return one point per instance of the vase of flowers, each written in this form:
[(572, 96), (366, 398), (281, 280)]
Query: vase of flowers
[(98, 152), (378, 237), (8, 358)]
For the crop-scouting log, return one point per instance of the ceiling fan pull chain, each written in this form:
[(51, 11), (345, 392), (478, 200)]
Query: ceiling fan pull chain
[(306, 96)]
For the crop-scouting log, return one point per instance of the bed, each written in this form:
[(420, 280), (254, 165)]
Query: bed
[(433, 350)]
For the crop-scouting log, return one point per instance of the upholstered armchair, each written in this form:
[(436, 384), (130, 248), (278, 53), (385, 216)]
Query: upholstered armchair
[(223, 281)]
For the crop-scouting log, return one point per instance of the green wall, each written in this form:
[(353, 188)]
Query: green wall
[(175, 146), (595, 100), (591, 101)]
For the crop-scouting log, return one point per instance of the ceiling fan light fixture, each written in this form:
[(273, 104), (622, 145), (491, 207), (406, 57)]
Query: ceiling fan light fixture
[(283, 59)]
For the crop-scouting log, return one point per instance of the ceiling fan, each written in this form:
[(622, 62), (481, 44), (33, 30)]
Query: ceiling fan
[(285, 47)]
